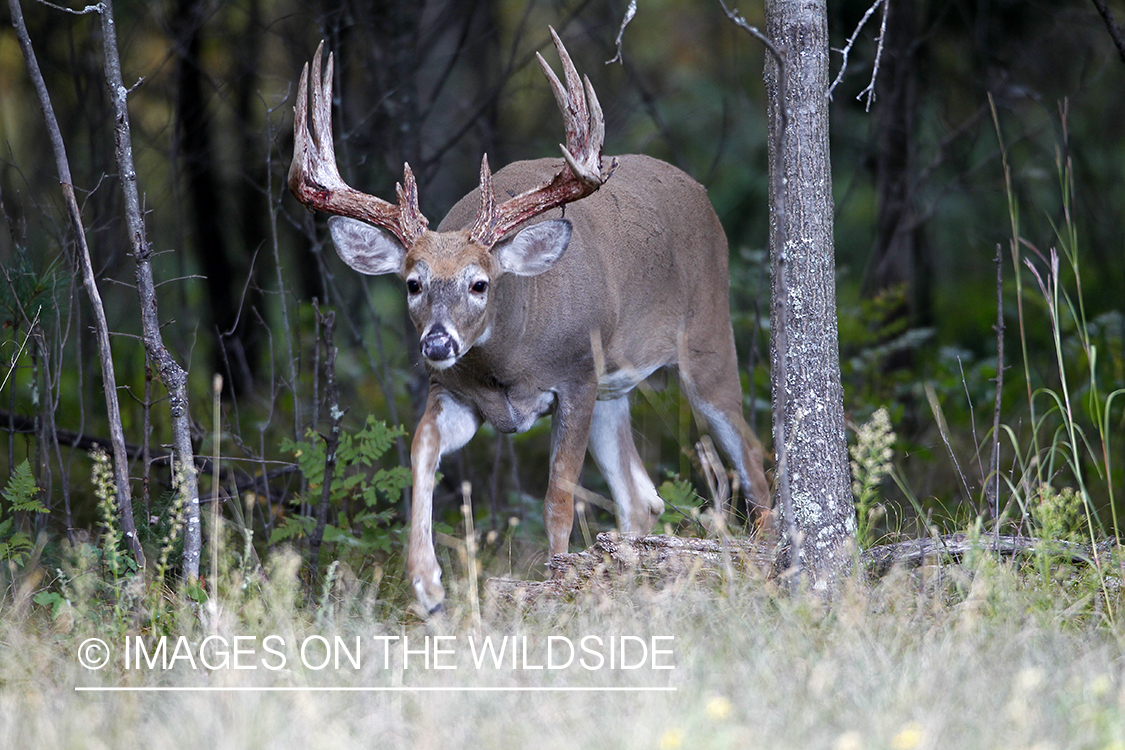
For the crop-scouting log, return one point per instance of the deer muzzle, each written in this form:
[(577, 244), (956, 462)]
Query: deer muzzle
[(439, 347)]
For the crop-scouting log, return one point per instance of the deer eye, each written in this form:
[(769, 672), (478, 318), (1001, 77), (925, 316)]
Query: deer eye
[(413, 286), (479, 287)]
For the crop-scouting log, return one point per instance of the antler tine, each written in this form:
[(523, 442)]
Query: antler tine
[(411, 221), (314, 178), (597, 119), (585, 135), (570, 100), (322, 106), (487, 211), (300, 132)]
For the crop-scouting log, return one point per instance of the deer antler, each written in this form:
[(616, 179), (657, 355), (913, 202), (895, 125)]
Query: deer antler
[(315, 180), (584, 173)]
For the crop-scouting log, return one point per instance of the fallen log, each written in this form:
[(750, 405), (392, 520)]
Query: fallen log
[(912, 553), (619, 560)]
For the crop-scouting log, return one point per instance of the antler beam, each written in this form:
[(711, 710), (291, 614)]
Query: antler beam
[(583, 174), (314, 178)]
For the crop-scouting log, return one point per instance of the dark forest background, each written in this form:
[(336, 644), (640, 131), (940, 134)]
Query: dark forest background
[(922, 205)]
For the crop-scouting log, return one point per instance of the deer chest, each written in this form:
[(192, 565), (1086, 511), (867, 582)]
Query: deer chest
[(508, 408)]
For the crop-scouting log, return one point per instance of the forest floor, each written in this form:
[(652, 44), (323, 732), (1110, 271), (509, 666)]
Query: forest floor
[(980, 654)]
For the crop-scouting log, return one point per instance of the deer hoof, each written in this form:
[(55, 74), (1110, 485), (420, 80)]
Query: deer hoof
[(429, 592)]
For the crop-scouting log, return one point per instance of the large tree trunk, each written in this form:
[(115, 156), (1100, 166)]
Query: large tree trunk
[(808, 412)]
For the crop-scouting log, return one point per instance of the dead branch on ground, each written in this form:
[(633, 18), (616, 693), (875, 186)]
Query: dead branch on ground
[(618, 562)]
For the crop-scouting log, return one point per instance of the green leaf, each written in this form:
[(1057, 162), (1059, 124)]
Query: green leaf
[(52, 599), (677, 491), (16, 548), (292, 527), (387, 481), (334, 535), (196, 593), (21, 492)]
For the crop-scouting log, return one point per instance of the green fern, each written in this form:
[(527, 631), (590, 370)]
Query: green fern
[(22, 495), (365, 528), (292, 527), (680, 502)]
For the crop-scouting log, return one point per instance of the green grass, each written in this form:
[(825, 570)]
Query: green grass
[(982, 656)]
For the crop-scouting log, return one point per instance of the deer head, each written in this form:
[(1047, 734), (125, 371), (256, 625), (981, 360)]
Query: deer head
[(448, 275)]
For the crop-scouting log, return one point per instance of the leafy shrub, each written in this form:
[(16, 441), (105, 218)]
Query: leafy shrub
[(361, 501)]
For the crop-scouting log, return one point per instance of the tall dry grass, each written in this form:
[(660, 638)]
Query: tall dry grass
[(979, 656)]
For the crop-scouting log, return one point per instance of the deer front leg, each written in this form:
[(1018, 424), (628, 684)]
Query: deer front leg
[(445, 426), (570, 433)]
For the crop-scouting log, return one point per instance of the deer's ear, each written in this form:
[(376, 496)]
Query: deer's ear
[(365, 248), (534, 250)]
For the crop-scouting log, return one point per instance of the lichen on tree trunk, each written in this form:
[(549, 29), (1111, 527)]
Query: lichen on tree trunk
[(807, 394)]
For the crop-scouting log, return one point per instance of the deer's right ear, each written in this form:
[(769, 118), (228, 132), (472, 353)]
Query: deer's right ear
[(366, 248)]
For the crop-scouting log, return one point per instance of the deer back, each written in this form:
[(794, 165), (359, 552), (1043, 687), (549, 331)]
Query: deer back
[(646, 253)]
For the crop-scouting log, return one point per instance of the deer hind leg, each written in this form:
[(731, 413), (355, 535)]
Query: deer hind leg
[(710, 382), (611, 443)]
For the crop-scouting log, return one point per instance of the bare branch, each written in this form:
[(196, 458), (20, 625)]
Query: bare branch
[(23, 344), (331, 440), (870, 89), (1111, 25), (850, 43), (629, 13), (274, 207), (216, 444), (783, 109), (75, 12), (992, 484)]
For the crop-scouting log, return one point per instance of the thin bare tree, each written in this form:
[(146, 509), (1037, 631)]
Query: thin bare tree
[(101, 328), (172, 375)]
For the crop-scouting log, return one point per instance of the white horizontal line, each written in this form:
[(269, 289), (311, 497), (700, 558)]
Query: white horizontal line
[(401, 689)]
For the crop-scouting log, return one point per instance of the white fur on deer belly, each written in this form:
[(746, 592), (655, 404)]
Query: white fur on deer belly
[(614, 385)]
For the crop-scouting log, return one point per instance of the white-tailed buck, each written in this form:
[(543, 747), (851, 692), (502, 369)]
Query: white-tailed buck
[(524, 313)]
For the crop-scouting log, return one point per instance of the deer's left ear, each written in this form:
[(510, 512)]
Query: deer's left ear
[(534, 250)]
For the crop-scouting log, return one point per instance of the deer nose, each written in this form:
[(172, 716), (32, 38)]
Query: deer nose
[(438, 345)]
